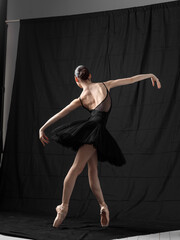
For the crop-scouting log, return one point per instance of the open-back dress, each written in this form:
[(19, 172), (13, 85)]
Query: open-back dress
[(91, 131)]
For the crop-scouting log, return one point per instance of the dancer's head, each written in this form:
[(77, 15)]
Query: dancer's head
[(82, 75)]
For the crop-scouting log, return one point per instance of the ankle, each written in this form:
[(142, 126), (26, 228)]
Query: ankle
[(65, 204)]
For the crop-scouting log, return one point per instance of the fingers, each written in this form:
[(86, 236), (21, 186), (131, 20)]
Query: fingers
[(152, 81), (43, 143), (46, 136), (43, 140), (158, 84), (47, 141)]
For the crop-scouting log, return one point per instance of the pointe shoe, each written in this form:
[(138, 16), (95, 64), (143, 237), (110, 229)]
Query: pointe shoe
[(104, 213), (62, 211)]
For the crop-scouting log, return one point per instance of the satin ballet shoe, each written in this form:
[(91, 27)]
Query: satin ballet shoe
[(62, 211), (104, 213)]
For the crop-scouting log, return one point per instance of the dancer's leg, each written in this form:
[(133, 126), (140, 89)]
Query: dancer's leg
[(94, 179), (96, 189), (84, 153)]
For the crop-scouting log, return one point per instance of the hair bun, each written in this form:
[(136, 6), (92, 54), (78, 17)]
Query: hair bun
[(82, 72)]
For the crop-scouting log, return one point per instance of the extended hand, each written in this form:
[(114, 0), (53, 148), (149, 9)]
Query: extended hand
[(42, 137), (155, 79)]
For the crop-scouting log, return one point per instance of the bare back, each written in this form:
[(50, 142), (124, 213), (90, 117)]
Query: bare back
[(96, 97)]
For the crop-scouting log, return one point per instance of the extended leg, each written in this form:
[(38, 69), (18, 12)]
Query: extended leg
[(94, 179), (84, 153)]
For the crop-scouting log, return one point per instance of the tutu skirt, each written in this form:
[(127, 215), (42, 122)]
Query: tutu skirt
[(88, 131)]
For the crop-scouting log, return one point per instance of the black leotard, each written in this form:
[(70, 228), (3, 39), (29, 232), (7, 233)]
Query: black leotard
[(92, 131)]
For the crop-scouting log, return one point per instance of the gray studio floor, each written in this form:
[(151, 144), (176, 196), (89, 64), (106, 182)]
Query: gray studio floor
[(173, 235)]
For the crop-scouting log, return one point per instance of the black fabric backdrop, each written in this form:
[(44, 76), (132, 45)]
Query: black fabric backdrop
[(145, 121)]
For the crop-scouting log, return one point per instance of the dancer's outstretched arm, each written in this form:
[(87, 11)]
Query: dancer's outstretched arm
[(125, 81)]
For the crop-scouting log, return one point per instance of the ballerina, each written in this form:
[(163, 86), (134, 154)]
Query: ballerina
[(89, 137)]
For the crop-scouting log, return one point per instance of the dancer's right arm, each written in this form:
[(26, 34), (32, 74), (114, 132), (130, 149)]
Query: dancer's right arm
[(70, 107)]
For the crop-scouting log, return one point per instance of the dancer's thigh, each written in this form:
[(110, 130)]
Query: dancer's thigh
[(84, 153)]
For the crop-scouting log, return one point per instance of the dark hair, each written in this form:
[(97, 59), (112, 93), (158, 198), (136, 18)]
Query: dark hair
[(81, 72)]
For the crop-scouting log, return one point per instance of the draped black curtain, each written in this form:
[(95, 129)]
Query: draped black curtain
[(145, 121)]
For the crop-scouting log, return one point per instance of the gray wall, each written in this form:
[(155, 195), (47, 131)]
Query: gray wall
[(3, 11), (21, 9), (44, 8)]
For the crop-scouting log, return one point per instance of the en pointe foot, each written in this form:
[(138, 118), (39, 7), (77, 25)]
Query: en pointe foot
[(62, 211)]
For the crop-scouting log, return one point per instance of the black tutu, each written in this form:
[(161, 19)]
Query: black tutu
[(91, 131)]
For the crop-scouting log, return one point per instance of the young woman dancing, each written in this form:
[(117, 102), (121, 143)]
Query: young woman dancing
[(89, 137)]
